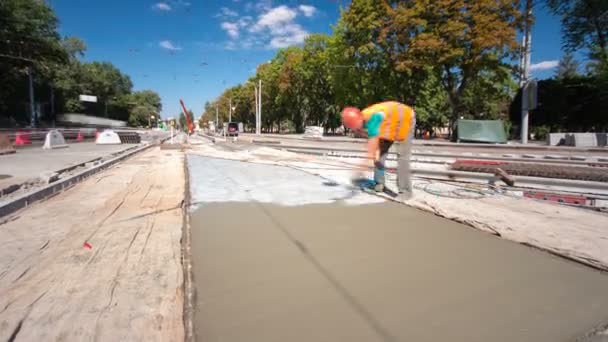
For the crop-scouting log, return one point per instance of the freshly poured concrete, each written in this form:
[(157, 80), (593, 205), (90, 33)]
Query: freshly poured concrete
[(378, 272)]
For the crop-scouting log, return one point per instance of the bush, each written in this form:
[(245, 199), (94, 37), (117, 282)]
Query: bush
[(540, 132)]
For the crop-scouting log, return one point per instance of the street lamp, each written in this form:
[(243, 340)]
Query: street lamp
[(150, 117)]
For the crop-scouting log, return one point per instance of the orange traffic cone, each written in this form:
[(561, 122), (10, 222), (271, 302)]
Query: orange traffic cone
[(22, 138), (79, 137)]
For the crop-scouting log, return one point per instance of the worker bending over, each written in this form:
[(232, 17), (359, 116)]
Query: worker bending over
[(386, 123)]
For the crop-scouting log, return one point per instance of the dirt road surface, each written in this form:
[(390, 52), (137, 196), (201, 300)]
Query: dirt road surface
[(372, 272), (127, 286)]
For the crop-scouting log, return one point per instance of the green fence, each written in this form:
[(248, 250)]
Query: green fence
[(488, 131)]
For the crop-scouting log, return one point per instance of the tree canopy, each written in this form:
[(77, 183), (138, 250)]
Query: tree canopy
[(29, 38), (447, 58), (584, 25)]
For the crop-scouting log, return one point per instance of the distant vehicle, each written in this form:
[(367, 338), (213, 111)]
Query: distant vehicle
[(233, 129)]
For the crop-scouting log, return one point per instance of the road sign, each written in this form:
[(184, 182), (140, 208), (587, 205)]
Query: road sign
[(87, 98)]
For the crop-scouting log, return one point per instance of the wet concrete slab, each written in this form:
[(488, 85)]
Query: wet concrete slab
[(379, 273), (374, 272)]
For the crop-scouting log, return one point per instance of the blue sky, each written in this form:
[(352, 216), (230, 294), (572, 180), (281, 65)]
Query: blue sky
[(193, 49)]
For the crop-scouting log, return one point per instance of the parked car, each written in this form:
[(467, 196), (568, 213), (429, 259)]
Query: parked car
[(233, 129)]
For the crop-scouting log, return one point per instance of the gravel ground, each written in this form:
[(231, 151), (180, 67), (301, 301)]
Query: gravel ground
[(596, 174)]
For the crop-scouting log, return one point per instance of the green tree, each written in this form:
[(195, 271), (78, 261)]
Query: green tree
[(597, 65), (316, 84), (367, 47), (140, 114), (584, 25), (463, 40), (142, 105), (28, 38), (105, 81), (567, 67), (183, 124)]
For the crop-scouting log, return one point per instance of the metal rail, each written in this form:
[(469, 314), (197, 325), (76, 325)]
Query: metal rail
[(437, 157), (592, 190)]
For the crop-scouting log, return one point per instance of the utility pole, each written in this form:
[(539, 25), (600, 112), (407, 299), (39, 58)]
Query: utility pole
[(259, 107), (230, 109), (30, 73), (217, 122), (525, 71), (255, 94)]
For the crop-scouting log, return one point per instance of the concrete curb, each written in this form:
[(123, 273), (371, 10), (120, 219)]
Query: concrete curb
[(189, 291), (211, 138), (27, 199), (7, 151)]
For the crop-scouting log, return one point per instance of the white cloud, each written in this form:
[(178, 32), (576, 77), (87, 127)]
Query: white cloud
[(545, 65), (162, 6), (227, 12), (259, 6), (166, 44), (275, 18), (231, 28), (296, 35), (307, 10), (280, 22), (275, 27), (180, 3)]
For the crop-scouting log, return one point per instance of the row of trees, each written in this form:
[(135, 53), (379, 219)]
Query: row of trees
[(448, 58), (30, 43)]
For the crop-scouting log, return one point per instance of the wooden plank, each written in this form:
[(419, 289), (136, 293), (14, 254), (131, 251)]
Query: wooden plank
[(127, 286)]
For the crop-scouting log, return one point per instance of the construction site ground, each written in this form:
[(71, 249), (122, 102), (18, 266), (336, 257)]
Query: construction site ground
[(100, 261), (285, 248)]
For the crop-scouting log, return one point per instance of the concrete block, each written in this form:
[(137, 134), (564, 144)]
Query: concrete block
[(555, 139), (49, 177), (602, 139), (54, 139), (581, 139), (108, 137), (6, 146), (313, 132)]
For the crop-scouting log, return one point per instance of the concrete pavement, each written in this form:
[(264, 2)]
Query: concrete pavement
[(373, 272), (31, 162)]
